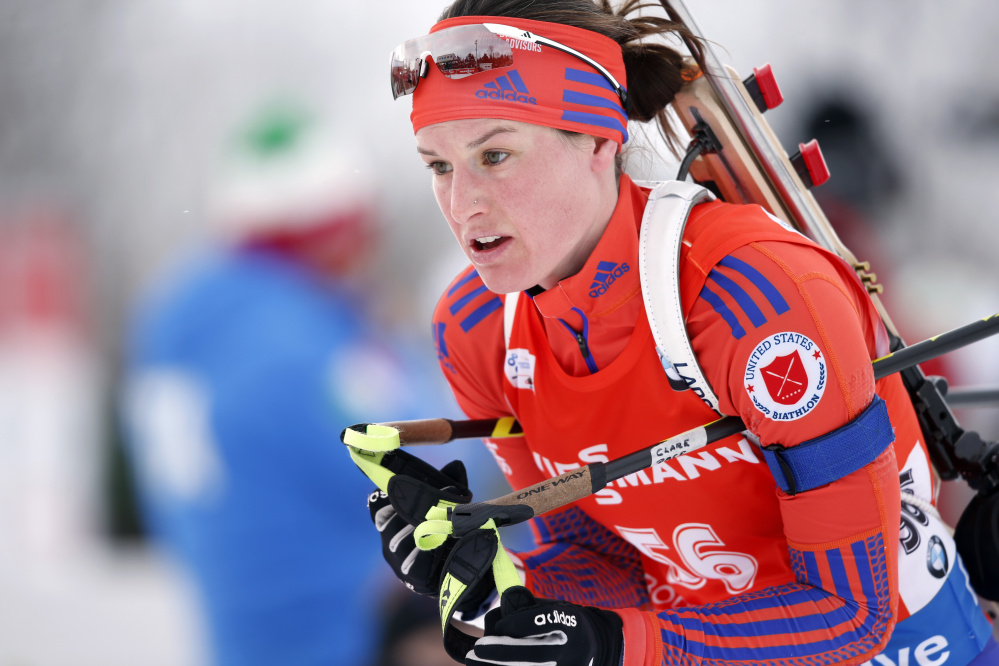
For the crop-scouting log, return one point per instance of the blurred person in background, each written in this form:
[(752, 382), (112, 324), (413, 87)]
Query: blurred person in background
[(245, 362), (410, 634)]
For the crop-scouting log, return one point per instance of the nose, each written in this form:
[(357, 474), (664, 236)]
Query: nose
[(467, 197)]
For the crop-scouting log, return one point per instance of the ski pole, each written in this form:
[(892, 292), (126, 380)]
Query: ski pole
[(972, 396), (581, 482), (939, 345), (441, 431)]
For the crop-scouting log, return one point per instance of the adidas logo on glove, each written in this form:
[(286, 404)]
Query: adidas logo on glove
[(607, 272), (555, 617)]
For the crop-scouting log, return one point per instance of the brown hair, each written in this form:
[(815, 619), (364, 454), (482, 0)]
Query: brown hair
[(655, 70)]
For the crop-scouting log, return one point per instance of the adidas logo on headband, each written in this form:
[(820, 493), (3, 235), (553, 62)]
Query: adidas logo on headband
[(507, 86)]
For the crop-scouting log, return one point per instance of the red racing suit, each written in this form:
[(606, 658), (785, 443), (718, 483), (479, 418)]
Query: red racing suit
[(703, 557)]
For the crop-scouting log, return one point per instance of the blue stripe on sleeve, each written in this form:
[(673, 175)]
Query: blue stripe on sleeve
[(776, 654), (481, 313), (817, 621), (741, 297), (815, 617), (812, 622), (439, 334), (719, 306), (462, 282), (465, 300), (838, 571), (763, 600), (777, 301), (812, 568), (865, 569)]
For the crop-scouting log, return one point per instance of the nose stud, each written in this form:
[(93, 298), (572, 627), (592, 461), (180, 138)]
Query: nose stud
[(475, 201)]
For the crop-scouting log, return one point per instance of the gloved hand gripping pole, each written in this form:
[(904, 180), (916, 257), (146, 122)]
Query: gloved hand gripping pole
[(480, 552)]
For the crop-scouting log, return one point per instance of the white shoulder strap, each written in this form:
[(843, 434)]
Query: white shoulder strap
[(659, 269), (509, 312)]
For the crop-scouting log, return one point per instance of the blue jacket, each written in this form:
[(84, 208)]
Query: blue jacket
[(242, 370)]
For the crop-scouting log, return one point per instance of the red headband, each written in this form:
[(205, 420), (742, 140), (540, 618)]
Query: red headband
[(544, 86)]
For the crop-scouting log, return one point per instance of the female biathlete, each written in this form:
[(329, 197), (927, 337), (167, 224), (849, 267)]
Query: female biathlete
[(783, 550)]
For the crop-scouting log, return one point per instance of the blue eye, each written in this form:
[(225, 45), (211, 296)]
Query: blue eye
[(494, 157)]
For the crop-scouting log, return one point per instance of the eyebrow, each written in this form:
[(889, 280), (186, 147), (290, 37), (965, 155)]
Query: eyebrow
[(488, 135), (475, 143)]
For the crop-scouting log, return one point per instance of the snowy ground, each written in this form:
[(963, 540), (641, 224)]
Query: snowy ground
[(119, 607)]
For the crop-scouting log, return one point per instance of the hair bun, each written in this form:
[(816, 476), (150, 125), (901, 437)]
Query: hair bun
[(655, 76)]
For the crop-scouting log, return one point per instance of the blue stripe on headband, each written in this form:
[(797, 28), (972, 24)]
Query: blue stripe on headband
[(597, 120), (589, 78), (584, 99)]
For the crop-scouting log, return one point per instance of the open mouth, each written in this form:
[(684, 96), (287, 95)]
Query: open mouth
[(486, 243)]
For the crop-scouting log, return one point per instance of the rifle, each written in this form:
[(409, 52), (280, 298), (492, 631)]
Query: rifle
[(734, 152)]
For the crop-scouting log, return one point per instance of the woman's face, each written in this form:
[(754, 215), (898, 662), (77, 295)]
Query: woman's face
[(526, 205)]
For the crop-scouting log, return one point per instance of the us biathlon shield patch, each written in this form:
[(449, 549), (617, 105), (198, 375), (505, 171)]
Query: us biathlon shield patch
[(786, 376)]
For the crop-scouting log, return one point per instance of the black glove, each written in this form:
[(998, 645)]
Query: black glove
[(977, 538), (525, 630), (415, 488)]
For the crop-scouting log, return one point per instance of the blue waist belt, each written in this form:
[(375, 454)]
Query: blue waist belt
[(832, 456)]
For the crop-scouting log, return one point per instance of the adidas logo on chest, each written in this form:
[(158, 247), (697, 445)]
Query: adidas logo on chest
[(607, 273)]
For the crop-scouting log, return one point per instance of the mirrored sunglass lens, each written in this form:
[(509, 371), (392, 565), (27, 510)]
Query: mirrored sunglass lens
[(458, 52), (403, 80), (469, 49), (404, 70)]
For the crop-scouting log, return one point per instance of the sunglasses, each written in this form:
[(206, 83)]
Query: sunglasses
[(465, 50)]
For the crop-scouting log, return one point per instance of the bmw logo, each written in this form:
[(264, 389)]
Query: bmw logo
[(936, 557)]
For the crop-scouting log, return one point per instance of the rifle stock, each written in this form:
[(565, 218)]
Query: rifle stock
[(749, 165)]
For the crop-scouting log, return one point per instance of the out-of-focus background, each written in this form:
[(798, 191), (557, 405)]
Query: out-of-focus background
[(113, 114)]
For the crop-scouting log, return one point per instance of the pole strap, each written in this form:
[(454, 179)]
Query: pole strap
[(367, 449), (477, 554)]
